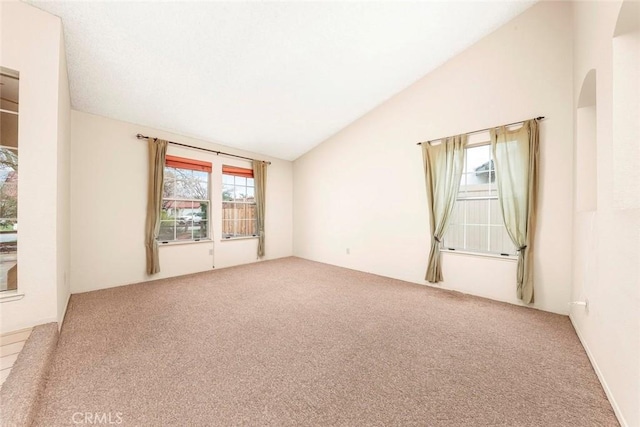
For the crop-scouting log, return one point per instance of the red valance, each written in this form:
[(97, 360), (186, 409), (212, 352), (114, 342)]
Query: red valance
[(183, 163)]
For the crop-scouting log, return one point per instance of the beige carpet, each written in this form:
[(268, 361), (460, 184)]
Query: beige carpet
[(20, 393), (293, 342)]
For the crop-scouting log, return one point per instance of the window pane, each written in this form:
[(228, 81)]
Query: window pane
[(241, 180), (477, 212), (478, 172), (250, 194), (454, 237), (477, 238), (496, 213), (167, 231), (251, 212), (227, 179), (463, 186), (457, 216), (228, 219), (250, 182), (228, 192), (169, 183), (246, 227), (189, 185), (242, 211), (171, 208), (200, 230), (201, 175), (204, 210), (500, 241), (477, 157), (183, 231), (240, 193), (227, 228)]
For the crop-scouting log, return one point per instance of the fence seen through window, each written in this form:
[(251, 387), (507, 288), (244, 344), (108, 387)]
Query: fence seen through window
[(476, 223), (238, 203)]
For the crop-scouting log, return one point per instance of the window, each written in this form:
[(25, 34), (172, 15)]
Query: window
[(185, 200), (9, 85), (476, 223), (238, 203)]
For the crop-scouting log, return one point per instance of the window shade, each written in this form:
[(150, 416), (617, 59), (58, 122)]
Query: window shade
[(234, 170), (183, 163)]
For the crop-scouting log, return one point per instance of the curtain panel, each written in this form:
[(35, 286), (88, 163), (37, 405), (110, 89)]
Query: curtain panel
[(516, 157), (260, 182), (157, 156), (443, 165)]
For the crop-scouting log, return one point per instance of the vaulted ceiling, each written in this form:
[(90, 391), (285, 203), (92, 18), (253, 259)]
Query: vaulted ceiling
[(275, 78)]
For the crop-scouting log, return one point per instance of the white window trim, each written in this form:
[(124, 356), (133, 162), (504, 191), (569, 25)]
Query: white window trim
[(12, 295), (479, 254), (162, 243), (227, 239)]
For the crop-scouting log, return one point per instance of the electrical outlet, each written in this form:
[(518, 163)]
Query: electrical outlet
[(210, 251), (348, 251)]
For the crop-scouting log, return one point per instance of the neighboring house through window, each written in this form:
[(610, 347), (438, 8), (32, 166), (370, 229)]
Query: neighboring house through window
[(476, 221), (185, 200), (238, 203)]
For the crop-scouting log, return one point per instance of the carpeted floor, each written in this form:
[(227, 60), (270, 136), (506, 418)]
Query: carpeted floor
[(20, 394), (293, 342)]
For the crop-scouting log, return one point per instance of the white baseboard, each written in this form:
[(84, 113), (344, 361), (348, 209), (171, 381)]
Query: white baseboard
[(64, 313), (603, 382)]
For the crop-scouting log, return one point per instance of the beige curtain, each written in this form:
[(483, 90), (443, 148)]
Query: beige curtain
[(516, 154), (443, 165), (260, 182), (157, 154)]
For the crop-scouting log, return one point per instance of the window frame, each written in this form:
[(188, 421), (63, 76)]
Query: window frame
[(239, 172), (10, 187), (465, 251), (196, 165)]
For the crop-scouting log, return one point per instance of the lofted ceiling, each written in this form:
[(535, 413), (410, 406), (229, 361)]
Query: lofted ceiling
[(275, 78)]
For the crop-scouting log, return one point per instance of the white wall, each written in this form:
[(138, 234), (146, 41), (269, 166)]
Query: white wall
[(108, 207), (607, 241), (63, 185), (363, 189), (31, 44)]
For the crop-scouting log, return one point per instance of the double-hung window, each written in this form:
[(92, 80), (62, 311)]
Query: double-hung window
[(238, 203), (476, 223), (9, 112), (185, 200)]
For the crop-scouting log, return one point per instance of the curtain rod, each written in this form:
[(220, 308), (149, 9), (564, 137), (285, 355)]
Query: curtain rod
[(141, 136), (480, 130)]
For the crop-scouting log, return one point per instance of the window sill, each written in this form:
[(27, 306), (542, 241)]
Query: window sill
[(183, 242), (481, 254), (8, 296), (238, 238)]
